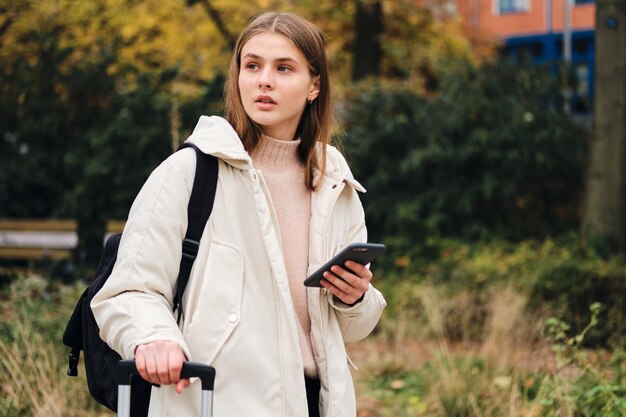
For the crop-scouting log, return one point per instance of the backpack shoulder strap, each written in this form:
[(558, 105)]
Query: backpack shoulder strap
[(198, 213)]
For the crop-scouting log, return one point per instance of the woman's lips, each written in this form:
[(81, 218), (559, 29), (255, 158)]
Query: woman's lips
[(265, 102)]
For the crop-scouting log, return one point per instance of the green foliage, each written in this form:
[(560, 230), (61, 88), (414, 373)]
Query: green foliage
[(567, 348), (81, 125), (45, 108), (401, 393), (466, 381), (32, 358), (438, 379), (117, 159), (598, 390), (559, 277), (42, 304), (381, 133), (492, 153), (452, 385), (576, 278)]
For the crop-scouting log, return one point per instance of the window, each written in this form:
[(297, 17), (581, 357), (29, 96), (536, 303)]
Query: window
[(582, 78), (581, 46), (511, 6), (581, 100)]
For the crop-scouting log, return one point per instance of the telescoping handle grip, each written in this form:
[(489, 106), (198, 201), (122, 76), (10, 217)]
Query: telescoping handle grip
[(127, 368)]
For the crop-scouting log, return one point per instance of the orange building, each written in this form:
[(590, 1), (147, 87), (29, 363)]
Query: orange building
[(545, 30)]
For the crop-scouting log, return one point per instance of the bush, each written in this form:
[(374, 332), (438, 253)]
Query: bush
[(558, 277), (576, 277), (32, 358), (492, 153)]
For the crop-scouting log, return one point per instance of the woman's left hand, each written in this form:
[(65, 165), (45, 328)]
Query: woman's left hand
[(349, 284)]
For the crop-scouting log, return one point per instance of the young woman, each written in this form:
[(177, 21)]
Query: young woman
[(286, 202)]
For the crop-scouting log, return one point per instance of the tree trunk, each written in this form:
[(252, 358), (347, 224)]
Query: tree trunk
[(216, 17), (605, 200), (368, 22)]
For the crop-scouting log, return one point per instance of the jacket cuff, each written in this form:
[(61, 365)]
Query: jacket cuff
[(337, 304), (179, 342)]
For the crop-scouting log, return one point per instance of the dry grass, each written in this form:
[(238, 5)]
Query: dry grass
[(465, 376), (33, 361), (417, 364)]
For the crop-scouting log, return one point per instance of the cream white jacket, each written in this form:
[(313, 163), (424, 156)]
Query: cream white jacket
[(239, 316)]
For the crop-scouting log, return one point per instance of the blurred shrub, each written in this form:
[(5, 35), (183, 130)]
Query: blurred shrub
[(492, 153), (559, 278), (598, 389), (34, 313), (82, 125)]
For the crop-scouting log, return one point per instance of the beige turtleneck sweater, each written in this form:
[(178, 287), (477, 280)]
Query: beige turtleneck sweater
[(284, 176)]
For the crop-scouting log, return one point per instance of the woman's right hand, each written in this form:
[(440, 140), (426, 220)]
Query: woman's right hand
[(160, 363)]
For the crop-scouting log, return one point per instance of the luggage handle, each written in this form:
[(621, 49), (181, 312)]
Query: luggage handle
[(127, 368)]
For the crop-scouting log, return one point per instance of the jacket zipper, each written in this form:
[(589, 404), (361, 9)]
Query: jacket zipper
[(258, 174)]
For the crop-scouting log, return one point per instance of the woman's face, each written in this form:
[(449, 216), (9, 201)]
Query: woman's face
[(275, 84)]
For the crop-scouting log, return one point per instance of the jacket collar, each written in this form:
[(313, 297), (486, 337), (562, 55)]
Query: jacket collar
[(338, 171), (213, 135)]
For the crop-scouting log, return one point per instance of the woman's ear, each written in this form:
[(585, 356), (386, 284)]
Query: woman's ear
[(315, 89)]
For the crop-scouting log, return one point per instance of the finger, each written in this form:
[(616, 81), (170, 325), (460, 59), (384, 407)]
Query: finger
[(346, 275), (360, 270), (338, 280), (140, 363), (163, 366), (345, 297), (360, 278), (151, 367), (175, 365), (182, 384), (356, 285)]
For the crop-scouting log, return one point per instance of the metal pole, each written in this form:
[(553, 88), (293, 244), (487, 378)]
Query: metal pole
[(549, 16), (123, 401), (567, 32), (567, 52)]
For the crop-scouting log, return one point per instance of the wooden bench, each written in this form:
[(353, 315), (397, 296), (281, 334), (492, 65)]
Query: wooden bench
[(42, 240)]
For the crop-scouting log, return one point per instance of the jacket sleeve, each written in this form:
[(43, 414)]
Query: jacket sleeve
[(135, 305), (357, 322)]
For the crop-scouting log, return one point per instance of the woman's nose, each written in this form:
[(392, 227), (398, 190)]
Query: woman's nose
[(265, 80)]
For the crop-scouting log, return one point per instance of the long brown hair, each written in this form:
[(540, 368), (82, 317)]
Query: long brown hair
[(316, 119)]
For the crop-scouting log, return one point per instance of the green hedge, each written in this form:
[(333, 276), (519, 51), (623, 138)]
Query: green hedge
[(492, 153)]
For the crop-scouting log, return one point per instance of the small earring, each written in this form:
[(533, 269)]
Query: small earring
[(310, 101)]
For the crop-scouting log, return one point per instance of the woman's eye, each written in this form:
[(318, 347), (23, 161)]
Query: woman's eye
[(252, 66), (283, 68)]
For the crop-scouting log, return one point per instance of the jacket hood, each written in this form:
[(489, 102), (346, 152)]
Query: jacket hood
[(213, 135)]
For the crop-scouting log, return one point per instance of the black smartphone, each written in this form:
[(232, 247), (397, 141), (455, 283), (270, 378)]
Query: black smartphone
[(362, 253)]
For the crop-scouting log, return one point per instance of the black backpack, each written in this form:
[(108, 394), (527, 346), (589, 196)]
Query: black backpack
[(82, 331)]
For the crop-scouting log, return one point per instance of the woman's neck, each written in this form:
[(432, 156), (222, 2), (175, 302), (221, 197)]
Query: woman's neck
[(284, 134)]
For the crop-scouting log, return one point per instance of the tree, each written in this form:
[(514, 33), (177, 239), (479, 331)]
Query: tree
[(605, 203), (407, 40), (93, 94), (83, 110), (215, 15), (492, 153), (368, 23)]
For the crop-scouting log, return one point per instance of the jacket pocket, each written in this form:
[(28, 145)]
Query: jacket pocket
[(217, 309)]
